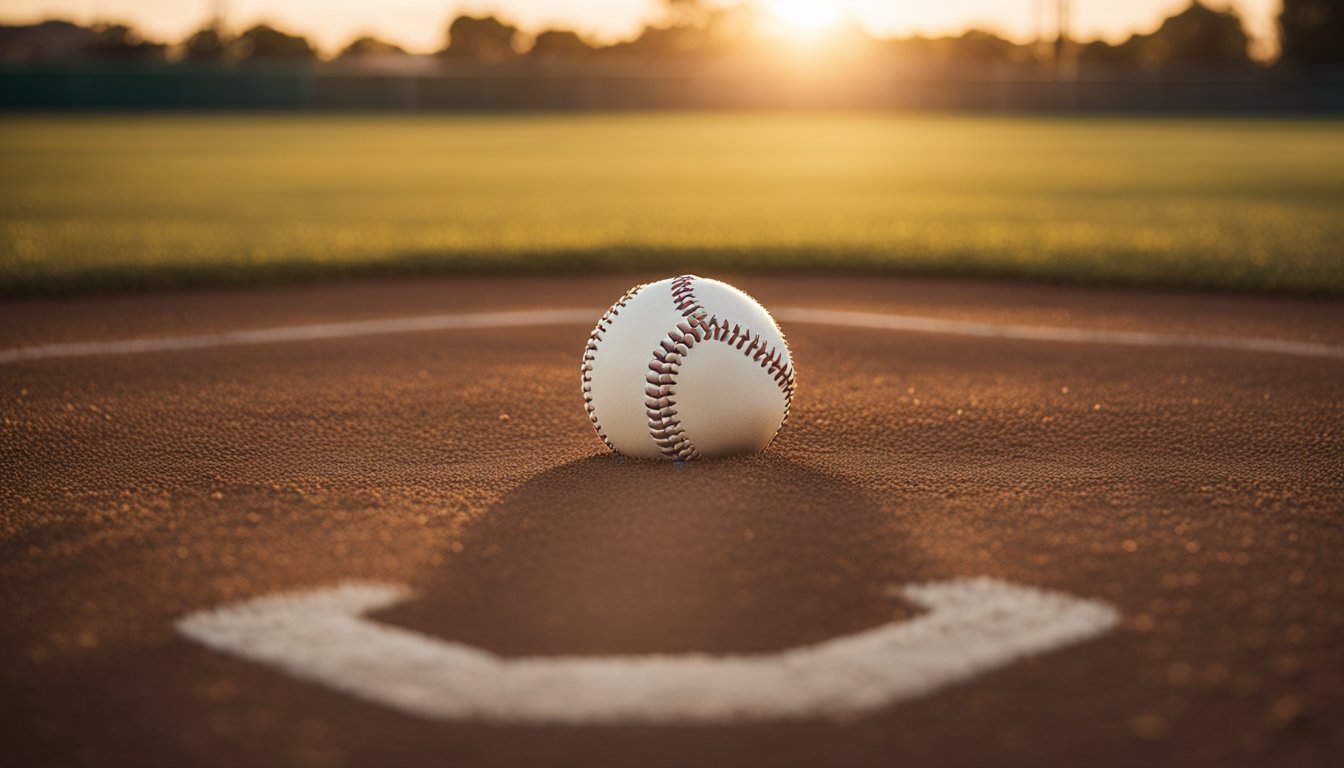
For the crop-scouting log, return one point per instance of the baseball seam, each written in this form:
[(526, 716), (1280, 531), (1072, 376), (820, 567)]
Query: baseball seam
[(683, 295), (660, 403), (590, 354)]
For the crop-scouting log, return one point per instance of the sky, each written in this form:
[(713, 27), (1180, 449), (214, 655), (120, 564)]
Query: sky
[(419, 25)]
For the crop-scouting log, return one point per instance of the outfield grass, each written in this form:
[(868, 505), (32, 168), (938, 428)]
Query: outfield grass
[(120, 202)]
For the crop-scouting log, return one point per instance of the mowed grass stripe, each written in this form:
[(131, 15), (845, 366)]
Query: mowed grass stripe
[(95, 203)]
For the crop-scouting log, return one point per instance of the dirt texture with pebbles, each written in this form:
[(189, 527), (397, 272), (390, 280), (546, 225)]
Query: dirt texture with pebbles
[(1199, 492)]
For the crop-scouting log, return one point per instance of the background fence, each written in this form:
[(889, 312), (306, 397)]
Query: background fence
[(165, 87)]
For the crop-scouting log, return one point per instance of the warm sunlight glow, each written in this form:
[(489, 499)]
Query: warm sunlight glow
[(419, 25), (805, 15)]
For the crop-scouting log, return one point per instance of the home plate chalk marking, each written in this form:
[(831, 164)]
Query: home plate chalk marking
[(971, 626)]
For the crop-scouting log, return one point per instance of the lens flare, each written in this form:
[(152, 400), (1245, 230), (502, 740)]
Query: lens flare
[(805, 15)]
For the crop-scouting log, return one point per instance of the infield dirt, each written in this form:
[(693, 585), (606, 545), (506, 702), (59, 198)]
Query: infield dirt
[(1197, 491)]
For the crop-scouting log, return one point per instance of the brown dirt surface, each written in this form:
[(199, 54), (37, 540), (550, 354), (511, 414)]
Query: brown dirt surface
[(1198, 491)]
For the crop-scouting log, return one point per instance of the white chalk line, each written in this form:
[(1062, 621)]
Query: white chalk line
[(802, 315), (316, 331), (1049, 333), (972, 626)]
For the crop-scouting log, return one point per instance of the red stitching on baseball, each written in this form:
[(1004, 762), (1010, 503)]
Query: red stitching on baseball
[(660, 404), (683, 296)]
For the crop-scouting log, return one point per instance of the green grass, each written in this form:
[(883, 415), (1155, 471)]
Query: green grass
[(95, 203)]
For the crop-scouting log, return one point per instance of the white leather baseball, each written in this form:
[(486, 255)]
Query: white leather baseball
[(686, 368)]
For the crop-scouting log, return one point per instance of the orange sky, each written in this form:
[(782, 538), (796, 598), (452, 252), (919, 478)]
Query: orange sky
[(420, 24)]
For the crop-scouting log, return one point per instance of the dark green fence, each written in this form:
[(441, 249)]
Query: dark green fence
[(318, 87)]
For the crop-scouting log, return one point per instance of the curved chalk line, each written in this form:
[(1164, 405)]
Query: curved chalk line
[(313, 332), (515, 319), (971, 626), (917, 324)]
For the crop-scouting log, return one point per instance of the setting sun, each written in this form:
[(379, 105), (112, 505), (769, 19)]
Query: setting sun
[(804, 15)]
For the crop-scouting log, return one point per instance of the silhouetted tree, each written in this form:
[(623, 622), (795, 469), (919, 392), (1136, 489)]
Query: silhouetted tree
[(1102, 52), (1311, 33), (366, 46), (1199, 36), (486, 39), (205, 45), (264, 42), (692, 28), (559, 45), (980, 47), (118, 41), (974, 49), (45, 41), (659, 42)]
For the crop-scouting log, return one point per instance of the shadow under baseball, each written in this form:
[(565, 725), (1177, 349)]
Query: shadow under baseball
[(604, 555)]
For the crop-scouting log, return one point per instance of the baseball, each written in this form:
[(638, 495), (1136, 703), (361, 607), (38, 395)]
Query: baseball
[(687, 368)]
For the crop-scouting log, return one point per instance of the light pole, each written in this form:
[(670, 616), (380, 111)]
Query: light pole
[(1065, 65)]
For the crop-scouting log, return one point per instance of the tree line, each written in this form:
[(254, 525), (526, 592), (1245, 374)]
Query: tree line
[(1311, 35)]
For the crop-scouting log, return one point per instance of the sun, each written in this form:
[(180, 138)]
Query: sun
[(804, 15)]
